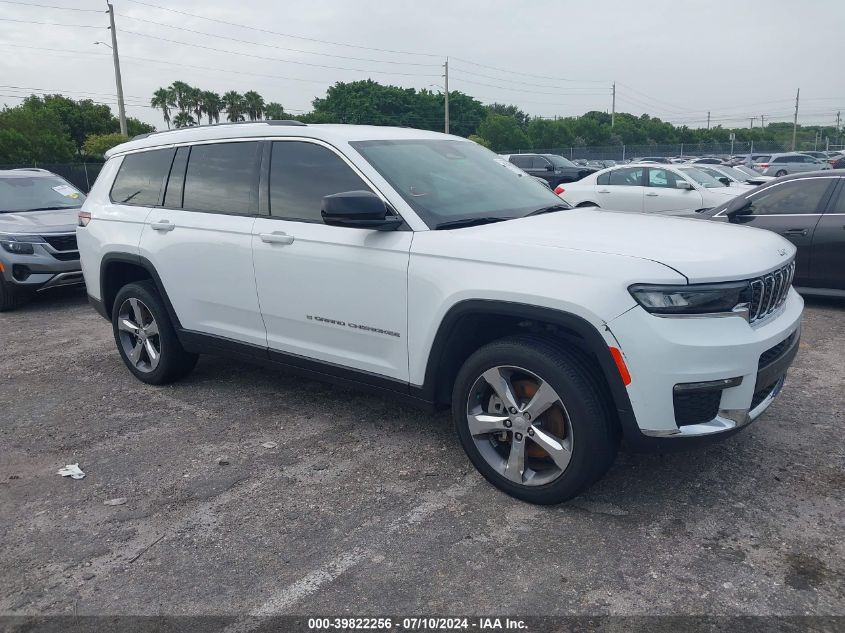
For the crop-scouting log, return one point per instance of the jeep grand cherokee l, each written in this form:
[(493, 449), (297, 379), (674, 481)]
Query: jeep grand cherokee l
[(422, 265)]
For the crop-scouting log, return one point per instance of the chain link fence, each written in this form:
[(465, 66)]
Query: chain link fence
[(80, 175), (626, 152)]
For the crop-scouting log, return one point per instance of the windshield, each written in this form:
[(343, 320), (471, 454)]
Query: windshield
[(447, 180), (25, 193), (734, 173), (559, 161), (747, 171), (702, 178)]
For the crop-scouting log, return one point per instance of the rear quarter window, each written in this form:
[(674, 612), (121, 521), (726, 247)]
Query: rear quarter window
[(141, 176)]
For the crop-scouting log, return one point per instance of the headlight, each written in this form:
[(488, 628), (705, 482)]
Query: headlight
[(19, 244), (696, 299)]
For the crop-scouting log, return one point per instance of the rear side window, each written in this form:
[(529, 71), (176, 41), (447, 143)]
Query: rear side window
[(630, 176), (301, 174), (140, 179), (222, 178), (603, 179), (523, 162)]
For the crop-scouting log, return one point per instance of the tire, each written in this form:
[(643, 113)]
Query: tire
[(585, 205), (780, 172), (580, 420), (10, 297), (161, 359)]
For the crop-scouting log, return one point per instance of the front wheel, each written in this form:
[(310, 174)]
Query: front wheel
[(146, 338), (533, 420), (781, 172), (10, 297)]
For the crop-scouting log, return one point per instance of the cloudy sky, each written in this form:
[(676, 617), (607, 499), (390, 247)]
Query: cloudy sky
[(670, 58)]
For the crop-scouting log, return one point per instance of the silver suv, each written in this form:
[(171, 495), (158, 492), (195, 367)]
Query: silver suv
[(789, 163), (38, 217)]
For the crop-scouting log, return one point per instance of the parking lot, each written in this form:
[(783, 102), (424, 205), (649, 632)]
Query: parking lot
[(367, 507)]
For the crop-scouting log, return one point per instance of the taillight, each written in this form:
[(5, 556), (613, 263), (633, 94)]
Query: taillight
[(559, 189), (84, 218), (763, 165)]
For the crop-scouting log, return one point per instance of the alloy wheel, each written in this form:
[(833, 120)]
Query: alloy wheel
[(139, 336), (520, 425)]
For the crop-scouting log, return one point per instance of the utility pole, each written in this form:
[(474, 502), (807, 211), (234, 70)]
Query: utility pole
[(795, 120), (613, 110), (708, 119), (752, 121), (838, 116), (446, 103), (121, 108), (762, 120)]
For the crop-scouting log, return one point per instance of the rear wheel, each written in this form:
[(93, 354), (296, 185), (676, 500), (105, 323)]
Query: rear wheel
[(532, 420), (146, 338), (780, 172)]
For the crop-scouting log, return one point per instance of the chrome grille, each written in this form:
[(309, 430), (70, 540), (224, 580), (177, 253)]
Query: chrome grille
[(769, 292)]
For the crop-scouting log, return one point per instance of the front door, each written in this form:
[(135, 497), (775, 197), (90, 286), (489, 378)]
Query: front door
[(621, 189), (662, 193), (328, 293), (827, 261)]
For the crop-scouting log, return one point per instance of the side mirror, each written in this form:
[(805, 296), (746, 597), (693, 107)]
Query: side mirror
[(738, 207), (725, 181), (550, 167), (359, 209), (683, 184)]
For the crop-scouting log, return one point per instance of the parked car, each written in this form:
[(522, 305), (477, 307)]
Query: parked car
[(37, 234), (551, 167), (821, 156), (413, 264), (808, 210), (752, 159), (753, 176), (732, 177), (648, 188), (789, 163), (652, 159), (837, 163), (707, 160)]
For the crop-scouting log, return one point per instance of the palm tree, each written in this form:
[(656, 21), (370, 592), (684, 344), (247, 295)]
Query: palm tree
[(183, 119), (274, 111), (163, 98), (234, 104), (213, 104), (180, 91), (254, 105), (195, 102)]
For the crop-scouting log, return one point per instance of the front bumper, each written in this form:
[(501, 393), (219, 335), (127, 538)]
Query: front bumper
[(42, 270), (663, 353)]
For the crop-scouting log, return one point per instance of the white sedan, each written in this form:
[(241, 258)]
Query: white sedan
[(648, 188)]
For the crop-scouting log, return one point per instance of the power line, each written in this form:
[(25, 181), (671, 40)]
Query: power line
[(523, 74), (261, 30), (525, 83), (49, 6), (275, 59), (81, 26), (283, 48)]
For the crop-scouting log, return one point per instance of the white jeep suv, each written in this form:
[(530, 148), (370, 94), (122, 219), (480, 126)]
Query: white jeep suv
[(424, 266)]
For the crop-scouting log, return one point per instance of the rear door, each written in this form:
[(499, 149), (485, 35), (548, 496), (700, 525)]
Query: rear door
[(662, 193), (827, 261), (621, 189), (791, 208), (200, 240)]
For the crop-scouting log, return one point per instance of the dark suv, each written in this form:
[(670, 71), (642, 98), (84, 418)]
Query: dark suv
[(38, 217), (552, 168)]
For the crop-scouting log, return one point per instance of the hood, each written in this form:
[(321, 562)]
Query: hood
[(701, 251), (55, 221)]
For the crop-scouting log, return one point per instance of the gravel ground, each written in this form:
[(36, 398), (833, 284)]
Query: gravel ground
[(366, 507)]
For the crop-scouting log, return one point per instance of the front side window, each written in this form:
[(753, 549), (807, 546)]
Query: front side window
[(301, 174), (33, 193), (559, 161), (796, 196), (703, 179), (140, 179), (662, 178), (446, 180), (222, 178), (628, 176)]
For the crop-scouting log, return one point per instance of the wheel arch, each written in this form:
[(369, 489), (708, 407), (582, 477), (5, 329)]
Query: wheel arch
[(119, 269), (470, 324)]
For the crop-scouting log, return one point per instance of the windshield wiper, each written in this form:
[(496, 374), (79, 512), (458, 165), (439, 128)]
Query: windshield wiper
[(549, 209), (456, 224), (46, 209)]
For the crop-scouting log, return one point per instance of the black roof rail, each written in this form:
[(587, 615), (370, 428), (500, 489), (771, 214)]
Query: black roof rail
[(290, 122)]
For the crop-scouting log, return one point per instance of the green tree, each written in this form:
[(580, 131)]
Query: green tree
[(233, 102), (97, 145), (183, 119), (254, 105), (213, 105), (511, 111), (195, 103), (549, 134), (275, 111), (180, 92), (163, 100), (503, 133), (29, 135), (481, 141), (80, 118), (134, 127)]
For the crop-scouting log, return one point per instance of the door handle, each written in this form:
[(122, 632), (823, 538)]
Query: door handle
[(796, 232), (162, 225), (276, 237), (651, 194), (603, 191)]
